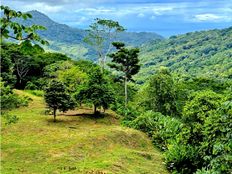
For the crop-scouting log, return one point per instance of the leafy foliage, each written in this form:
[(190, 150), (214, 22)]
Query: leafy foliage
[(159, 127), (56, 97), (10, 119), (9, 99), (8, 23), (161, 91), (73, 78), (126, 62), (186, 109), (97, 91), (100, 35), (204, 53), (25, 63)]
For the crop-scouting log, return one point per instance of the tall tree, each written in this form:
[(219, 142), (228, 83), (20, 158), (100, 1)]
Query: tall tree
[(126, 61), (20, 32), (100, 36), (22, 66)]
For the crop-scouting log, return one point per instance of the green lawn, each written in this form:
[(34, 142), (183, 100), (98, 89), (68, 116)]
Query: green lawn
[(74, 144)]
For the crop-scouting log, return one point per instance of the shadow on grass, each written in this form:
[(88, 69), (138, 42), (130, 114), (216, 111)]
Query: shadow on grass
[(93, 117), (88, 115)]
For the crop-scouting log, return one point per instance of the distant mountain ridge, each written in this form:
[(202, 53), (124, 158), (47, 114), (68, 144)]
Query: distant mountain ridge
[(69, 40), (200, 53), (206, 53)]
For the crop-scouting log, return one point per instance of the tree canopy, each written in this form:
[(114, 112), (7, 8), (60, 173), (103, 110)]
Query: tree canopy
[(21, 32), (126, 61)]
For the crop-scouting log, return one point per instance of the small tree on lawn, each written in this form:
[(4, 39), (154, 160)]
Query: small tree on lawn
[(56, 97), (97, 91), (125, 60)]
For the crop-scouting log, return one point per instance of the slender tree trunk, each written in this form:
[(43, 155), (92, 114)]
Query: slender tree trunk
[(95, 109), (125, 82), (104, 62), (54, 115), (102, 65)]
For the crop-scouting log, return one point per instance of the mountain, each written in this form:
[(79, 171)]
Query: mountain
[(201, 53), (207, 53), (68, 40)]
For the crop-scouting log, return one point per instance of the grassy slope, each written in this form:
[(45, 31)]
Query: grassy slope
[(75, 144)]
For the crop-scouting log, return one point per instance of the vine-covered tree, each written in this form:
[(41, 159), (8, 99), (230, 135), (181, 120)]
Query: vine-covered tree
[(20, 32), (126, 61), (100, 36), (57, 98)]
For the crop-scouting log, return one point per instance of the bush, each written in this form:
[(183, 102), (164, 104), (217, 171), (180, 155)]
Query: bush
[(162, 129), (207, 171), (10, 119), (129, 113), (216, 148), (166, 130), (10, 100), (36, 92), (180, 158), (209, 139), (146, 122), (30, 86)]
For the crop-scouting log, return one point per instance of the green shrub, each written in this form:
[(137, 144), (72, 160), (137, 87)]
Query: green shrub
[(166, 130), (210, 139), (146, 122), (207, 171), (10, 100), (10, 119), (30, 86), (129, 113), (216, 148), (199, 106), (162, 129), (181, 158), (36, 92)]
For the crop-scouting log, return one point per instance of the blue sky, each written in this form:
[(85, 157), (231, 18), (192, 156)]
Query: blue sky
[(165, 17)]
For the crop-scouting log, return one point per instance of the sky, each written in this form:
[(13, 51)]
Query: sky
[(165, 17)]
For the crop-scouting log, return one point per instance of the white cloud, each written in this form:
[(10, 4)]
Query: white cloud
[(45, 8), (141, 15), (160, 10), (81, 20), (210, 17), (139, 11), (95, 11), (152, 17), (226, 10)]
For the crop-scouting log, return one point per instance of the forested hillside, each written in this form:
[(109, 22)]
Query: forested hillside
[(207, 53), (61, 115), (68, 40)]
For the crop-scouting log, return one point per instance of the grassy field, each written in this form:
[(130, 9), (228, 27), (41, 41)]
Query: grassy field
[(77, 143)]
